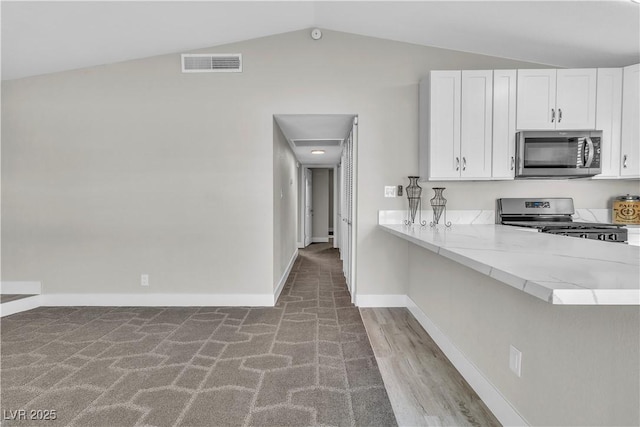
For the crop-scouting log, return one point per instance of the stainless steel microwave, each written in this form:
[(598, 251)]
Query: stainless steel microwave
[(558, 154)]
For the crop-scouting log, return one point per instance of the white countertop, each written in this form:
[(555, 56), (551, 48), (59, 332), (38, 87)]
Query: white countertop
[(556, 269)]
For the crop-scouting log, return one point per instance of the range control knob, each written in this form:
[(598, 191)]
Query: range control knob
[(602, 237), (613, 237), (584, 236)]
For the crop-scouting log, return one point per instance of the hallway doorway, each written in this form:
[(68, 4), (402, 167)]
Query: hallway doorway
[(326, 143)]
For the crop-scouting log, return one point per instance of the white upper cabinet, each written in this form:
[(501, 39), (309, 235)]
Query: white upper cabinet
[(440, 125), (476, 124), (556, 99), (630, 137), (504, 124), (536, 99), (608, 120), (456, 125)]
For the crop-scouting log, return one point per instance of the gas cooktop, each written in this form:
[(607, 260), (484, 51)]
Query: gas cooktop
[(554, 215)]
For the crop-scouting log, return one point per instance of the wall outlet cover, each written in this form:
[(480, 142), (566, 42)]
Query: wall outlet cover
[(144, 280)]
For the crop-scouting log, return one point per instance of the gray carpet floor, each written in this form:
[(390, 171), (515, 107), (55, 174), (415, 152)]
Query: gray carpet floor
[(307, 361)]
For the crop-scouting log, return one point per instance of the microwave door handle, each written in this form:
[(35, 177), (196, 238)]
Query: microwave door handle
[(589, 159)]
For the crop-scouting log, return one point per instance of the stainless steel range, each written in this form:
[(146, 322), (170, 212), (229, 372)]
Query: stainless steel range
[(554, 215)]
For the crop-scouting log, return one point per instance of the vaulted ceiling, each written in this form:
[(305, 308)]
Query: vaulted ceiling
[(46, 37)]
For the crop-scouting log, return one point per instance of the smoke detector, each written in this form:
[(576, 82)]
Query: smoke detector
[(316, 34)]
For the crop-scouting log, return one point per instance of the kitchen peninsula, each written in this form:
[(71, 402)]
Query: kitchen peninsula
[(556, 269), (569, 306)]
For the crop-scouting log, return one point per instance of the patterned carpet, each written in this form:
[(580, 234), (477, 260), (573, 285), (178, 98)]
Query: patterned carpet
[(306, 361)]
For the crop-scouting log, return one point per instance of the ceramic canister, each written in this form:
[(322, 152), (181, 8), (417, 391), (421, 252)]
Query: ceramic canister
[(626, 210)]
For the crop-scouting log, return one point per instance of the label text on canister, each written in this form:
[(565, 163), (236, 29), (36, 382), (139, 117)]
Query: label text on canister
[(626, 212)]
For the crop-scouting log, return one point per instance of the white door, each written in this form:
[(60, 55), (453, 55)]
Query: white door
[(630, 149), (348, 209), (576, 98), (308, 207), (353, 224), (336, 206), (504, 124), (536, 99), (444, 124), (475, 123)]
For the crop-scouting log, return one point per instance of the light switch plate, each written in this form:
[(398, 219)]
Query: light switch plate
[(390, 191), (515, 360)]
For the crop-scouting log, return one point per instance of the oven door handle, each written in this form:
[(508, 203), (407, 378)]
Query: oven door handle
[(589, 159)]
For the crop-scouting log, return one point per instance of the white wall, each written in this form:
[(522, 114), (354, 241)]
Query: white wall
[(579, 363), (285, 205), (131, 168), (320, 191)]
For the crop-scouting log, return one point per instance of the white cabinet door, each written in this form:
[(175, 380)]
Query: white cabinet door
[(504, 124), (476, 124), (630, 147), (608, 119), (536, 99), (444, 124), (576, 99)]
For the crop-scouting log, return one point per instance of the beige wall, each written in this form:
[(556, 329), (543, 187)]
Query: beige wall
[(579, 363), (320, 191), (135, 167), (285, 204)]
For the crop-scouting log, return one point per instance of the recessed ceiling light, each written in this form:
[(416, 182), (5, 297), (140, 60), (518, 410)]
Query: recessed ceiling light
[(317, 152)]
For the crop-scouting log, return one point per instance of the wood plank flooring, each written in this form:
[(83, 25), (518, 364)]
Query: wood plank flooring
[(423, 386)]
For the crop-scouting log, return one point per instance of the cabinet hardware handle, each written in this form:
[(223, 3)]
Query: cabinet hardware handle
[(513, 162), (553, 115), (624, 161), (457, 163), (464, 163), (559, 115)]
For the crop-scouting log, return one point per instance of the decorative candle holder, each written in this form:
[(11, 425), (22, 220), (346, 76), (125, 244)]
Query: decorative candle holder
[(414, 195), (439, 206)]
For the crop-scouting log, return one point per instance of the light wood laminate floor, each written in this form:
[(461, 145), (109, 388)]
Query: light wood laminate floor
[(423, 386)]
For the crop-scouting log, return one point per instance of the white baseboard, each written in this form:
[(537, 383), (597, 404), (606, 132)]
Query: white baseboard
[(300, 245), (319, 240), (158, 300), (284, 277), (495, 401), (381, 300), (34, 288), (20, 305)]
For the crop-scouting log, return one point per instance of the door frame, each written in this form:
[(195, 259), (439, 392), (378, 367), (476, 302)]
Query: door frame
[(307, 201), (338, 213)]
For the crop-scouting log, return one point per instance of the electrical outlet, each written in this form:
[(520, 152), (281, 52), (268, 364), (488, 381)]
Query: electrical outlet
[(144, 280), (515, 360), (390, 191), (399, 190)]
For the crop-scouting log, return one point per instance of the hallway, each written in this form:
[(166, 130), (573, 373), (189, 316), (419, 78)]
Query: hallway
[(316, 294)]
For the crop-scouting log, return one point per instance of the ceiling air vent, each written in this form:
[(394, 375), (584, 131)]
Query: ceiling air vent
[(317, 142), (211, 63)]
